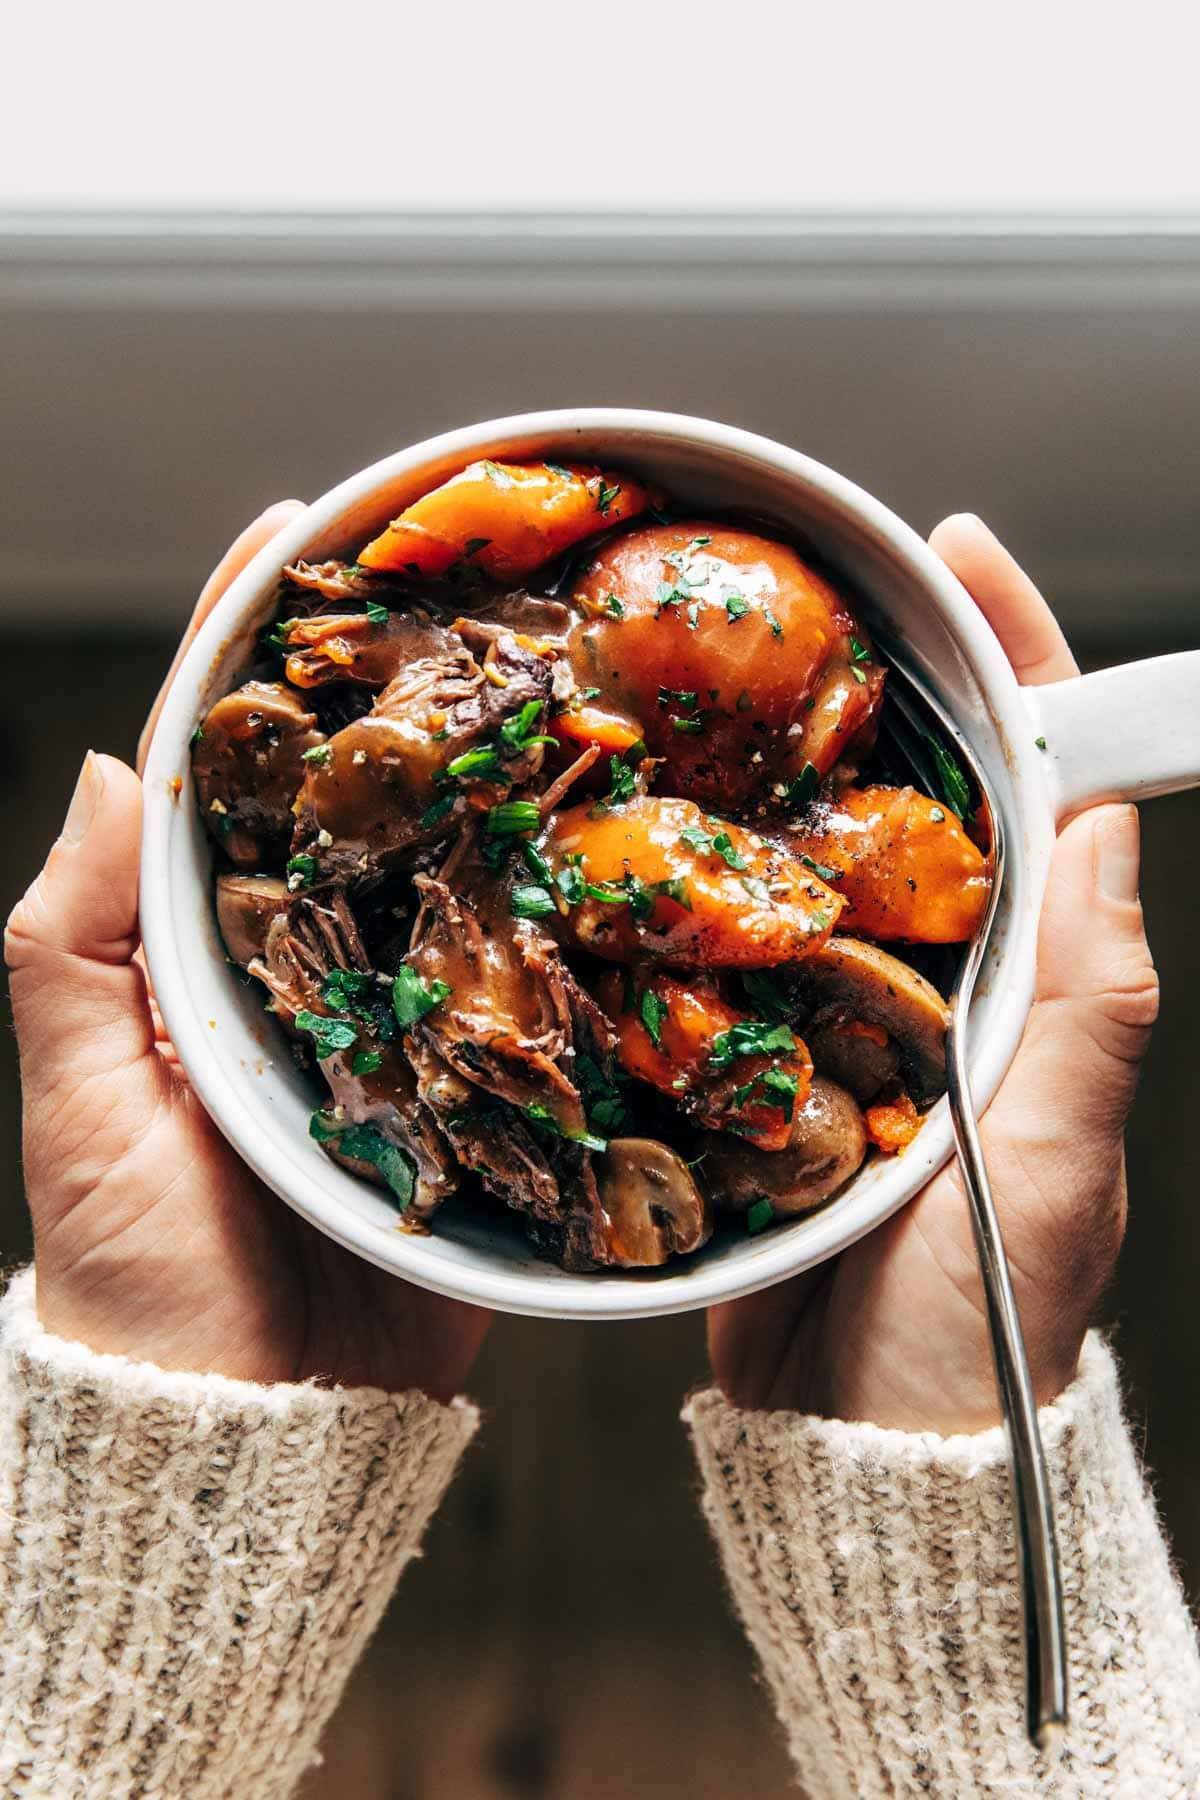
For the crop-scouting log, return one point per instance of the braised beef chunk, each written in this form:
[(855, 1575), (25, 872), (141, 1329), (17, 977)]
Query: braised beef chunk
[(476, 869), (247, 763), (323, 989), (337, 581), (363, 648), (406, 775), (498, 1055)]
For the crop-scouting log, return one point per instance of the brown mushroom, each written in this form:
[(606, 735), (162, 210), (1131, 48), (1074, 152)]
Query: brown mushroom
[(246, 905), (655, 1209), (248, 762), (847, 982), (827, 1144)]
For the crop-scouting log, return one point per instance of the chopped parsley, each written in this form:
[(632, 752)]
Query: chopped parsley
[(684, 698), (624, 782), (723, 845), (341, 987), (518, 733), (198, 735), (300, 871), (737, 606), (779, 1084), (366, 1143), (652, 1011), (773, 622), (759, 1216), (821, 870), (601, 1096), (606, 496), (483, 760), (859, 652), (435, 813), (366, 1062), (803, 787), (511, 817), (328, 1035), (557, 469), (614, 606), (412, 999), (757, 889), (1039, 742), (676, 890), (689, 727), (320, 754), (750, 1037), (540, 1115), (536, 862), (570, 883), (376, 614), (530, 902)]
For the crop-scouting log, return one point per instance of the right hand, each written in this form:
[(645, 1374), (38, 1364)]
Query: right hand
[(152, 1238)]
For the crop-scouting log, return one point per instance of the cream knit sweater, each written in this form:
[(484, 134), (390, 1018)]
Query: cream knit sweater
[(189, 1567)]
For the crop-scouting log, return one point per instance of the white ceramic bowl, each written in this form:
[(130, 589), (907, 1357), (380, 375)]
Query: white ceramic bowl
[(241, 1069)]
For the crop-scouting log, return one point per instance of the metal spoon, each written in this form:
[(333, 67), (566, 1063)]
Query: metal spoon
[(1037, 1546)]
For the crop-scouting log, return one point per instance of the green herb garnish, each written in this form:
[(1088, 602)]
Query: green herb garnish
[(412, 999), (803, 787), (511, 817), (750, 1037), (624, 782), (757, 889), (366, 1143), (820, 869), (759, 1216), (652, 1011), (690, 727), (435, 813), (366, 1062), (737, 606), (540, 1115), (376, 614), (614, 606), (328, 1035), (529, 902), (605, 497), (683, 698), (320, 755)]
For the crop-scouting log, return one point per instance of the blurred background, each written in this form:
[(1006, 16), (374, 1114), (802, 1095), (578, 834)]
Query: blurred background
[(960, 263)]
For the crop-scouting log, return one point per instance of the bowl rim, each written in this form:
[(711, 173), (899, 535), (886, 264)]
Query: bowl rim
[(552, 1292)]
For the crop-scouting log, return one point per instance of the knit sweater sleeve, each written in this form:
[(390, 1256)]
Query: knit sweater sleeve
[(189, 1566), (874, 1572)]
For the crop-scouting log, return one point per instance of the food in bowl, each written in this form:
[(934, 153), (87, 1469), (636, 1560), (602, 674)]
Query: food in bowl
[(567, 836)]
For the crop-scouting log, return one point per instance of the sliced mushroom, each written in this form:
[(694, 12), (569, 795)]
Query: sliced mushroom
[(246, 905), (827, 1145), (248, 762), (845, 981), (655, 1209)]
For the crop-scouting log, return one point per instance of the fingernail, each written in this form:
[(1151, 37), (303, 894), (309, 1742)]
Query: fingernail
[(1117, 852), (84, 800)]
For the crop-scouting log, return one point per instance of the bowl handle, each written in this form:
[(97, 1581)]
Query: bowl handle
[(1121, 734)]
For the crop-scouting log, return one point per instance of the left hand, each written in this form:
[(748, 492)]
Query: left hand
[(152, 1238), (893, 1330)]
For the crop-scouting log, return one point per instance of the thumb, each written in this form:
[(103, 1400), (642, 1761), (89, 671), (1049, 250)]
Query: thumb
[(79, 1000), (1095, 973)]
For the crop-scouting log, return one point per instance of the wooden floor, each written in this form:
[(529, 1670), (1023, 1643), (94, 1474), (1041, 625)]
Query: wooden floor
[(566, 1634)]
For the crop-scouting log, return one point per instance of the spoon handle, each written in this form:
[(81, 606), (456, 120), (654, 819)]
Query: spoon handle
[(1041, 1578)]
